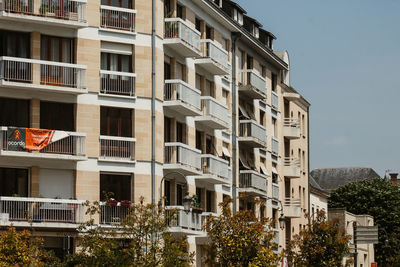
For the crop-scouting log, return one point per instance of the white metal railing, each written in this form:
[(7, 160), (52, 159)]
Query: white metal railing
[(276, 236), (51, 73), (275, 146), (253, 179), (179, 153), (25, 209), (179, 90), (275, 191), (74, 10), (211, 107), (113, 213), (178, 28), (292, 202), (291, 122), (291, 162), (177, 217), (250, 128), (214, 165), (116, 147), (118, 18), (274, 100), (117, 83), (73, 143), (250, 77), (217, 54)]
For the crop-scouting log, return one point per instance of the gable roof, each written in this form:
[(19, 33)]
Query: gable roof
[(331, 178)]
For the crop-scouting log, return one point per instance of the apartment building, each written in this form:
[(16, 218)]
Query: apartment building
[(77, 110)]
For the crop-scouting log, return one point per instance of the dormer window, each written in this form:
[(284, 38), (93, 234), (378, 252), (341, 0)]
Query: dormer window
[(256, 31), (218, 3), (238, 16)]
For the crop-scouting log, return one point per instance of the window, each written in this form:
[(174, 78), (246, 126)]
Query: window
[(262, 117), (225, 96), (209, 33), (179, 11), (199, 140), (303, 125), (117, 3), (14, 112), (256, 31), (209, 201), (180, 132), (57, 116), (179, 194), (167, 71), (13, 182), (167, 192), (167, 129), (116, 62), (199, 194), (118, 185), (15, 44), (57, 49), (198, 24), (115, 122), (274, 127), (210, 148), (274, 81)]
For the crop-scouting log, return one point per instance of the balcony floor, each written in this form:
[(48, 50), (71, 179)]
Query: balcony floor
[(211, 122), (181, 168), (211, 179), (252, 191), (251, 142), (42, 88), (211, 66), (182, 108), (181, 48), (249, 91), (44, 156)]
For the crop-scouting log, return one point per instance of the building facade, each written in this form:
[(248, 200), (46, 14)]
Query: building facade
[(84, 83)]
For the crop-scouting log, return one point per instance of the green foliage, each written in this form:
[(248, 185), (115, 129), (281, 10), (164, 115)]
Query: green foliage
[(131, 243), (21, 249), (321, 244), (239, 240), (380, 199)]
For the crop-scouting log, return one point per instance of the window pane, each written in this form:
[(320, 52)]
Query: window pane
[(104, 61), (118, 185)]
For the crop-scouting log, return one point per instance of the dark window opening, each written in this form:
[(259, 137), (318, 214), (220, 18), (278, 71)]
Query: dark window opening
[(167, 192), (167, 71), (117, 3), (179, 11), (117, 185), (179, 194), (167, 130), (199, 143), (198, 24), (57, 116), (115, 122), (209, 200), (57, 49), (15, 44), (13, 182), (274, 82), (116, 62), (14, 112)]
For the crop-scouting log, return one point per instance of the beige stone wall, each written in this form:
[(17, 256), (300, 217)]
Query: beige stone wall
[(88, 54), (88, 121)]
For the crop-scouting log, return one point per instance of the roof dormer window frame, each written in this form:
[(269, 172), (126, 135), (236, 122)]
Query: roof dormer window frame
[(256, 31)]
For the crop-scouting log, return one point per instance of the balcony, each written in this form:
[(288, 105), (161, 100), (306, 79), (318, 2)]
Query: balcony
[(117, 149), (275, 146), (111, 214), (291, 167), (182, 38), (182, 158), (276, 236), (180, 221), (274, 100), (61, 144), (275, 191), (291, 96), (214, 59), (252, 182), (41, 212), (117, 83), (252, 134), (49, 76), (292, 207), (182, 98), (215, 170), (291, 128), (117, 19), (215, 114), (252, 85), (65, 13)]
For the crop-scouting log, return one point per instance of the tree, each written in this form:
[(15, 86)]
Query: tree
[(140, 239), (321, 244), (380, 199), (21, 249), (239, 240)]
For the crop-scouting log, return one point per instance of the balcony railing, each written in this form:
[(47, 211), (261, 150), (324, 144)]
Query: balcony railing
[(181, 91), (113, 214), (291, 167), (275, 191), (291, 128), (178, 153), (117, 83), (74, 10), (291, 162), (215, 166), (118, 18), (177, 217), (292, 207), (217, 54), (251, 78), (41, 72), (211, 107), (72, 144), (274, 100), (275, 146), (117, 148), (176, 28), (253, 179), (46, 210), (250, 128)]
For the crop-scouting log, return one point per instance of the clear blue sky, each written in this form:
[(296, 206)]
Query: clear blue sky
[(345, 59)]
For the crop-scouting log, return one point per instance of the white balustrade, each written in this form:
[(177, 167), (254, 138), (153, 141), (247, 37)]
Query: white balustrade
[(250, 128), (112, 213), (179, 153), (211, 107), (216, 166), (118, 148), (117, 83), (250, 77), (274, 100), (181, 91), (252, 179), (118, 18), (217, 54), (275, 191), (177, 217), (291, 162), (275, 146), (176, 28)]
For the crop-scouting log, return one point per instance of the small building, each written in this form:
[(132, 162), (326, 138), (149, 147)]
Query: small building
[(365, 252), (318, 198)]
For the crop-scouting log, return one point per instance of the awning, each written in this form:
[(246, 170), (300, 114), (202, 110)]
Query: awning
[(243, 112), (243, 160), (263, 169), (225, 151), (274, 170)]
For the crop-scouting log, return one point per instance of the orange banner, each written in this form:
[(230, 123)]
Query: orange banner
[(37, 139)]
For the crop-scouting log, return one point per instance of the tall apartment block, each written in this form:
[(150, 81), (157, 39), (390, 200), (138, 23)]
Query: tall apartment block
[(77, 111)]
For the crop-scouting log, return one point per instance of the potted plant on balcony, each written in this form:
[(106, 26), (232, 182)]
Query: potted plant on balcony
[(112, 202), (196, 205), (126, 203), (48, 10)]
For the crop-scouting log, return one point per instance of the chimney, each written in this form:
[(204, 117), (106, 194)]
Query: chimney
[(393, 178)]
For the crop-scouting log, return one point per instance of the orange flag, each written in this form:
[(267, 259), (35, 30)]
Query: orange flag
[(37, 139)]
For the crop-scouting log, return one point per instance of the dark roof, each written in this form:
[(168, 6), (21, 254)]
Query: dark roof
[(331, 178), (316, 187), (236, 5)]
